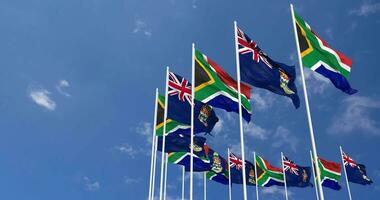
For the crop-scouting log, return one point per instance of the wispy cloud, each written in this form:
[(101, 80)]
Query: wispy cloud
[(41, 97), (62, 85), (262, 100), (316, 82), (194, 4), (130, 180), (256, 131), (275, 190), (145, 130), (127, 149), (329, 33), (91, 185), (356, 116), (283, 137), (366, 8), (141, 27)]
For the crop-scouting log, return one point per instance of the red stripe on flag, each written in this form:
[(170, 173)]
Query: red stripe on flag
[(245, 89), (344, 59), (332, 166), (270, 167)]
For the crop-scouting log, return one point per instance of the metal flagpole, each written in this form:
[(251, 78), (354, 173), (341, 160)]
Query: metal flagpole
[(154, 166), (307, 104), (163, 160), (283, 171), (166, 174), (192, 120), (240, 113), (257, 186), (345, 173), (204, 186), (183, 182), (229, 175), (315, 180), (153, 141)]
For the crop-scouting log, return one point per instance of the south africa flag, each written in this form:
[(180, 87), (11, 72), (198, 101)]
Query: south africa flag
[(318, 56), (330, 173), (215, 87), (267, 175)]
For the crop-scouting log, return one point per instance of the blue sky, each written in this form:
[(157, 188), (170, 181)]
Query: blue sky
[(78, 78)]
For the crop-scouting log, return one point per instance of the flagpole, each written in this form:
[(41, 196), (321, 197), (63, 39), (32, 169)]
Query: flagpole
[(307, 105), (204, 186), (153, 144), (163, 160), (283, 171), (240, 113), (154, 166), (345, 172), (315, 181), (166, 174), (257, 185), (183, 182), (192, 120), (229, 175)]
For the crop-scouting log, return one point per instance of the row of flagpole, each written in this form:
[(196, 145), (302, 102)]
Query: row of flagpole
[(313, 153)]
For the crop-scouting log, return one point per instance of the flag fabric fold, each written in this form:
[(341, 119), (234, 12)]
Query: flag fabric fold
[(180, 143), (215, 87), (259, 70), (267, 175), (236, 166), (356, 173), (295, 175), (179, 106), (330, 173), (317, 55)]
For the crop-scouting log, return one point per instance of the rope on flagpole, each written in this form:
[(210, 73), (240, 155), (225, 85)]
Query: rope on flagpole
[(345, 173), (315, 155), (240, 113)]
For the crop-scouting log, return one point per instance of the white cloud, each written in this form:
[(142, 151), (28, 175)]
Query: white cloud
[(218, 127), (284, 137), (91, 185), (315, 82), (275, 190), (194, 4), (129, 180), (329, 32), (256, 131), (127, 149), (41, 97), (142, 28), (262, 100), (366, 8), (145, 129), (62, 84), (356, 116)]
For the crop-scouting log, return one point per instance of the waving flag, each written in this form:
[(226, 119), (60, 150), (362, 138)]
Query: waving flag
[(179, 106), (172, 127), (236, 165), (330, 173), (257, 69), (267, 175), (296, 176), (201, 164), (318, 56), (215, 87), (180, 143), (356, 173)]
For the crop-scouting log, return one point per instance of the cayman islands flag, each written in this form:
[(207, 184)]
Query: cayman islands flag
[(259, 70), (318, 56), (236, 172), (356, 173), (267, 175), (179, 106), (215, 87), (295, 175), (330, 173)]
